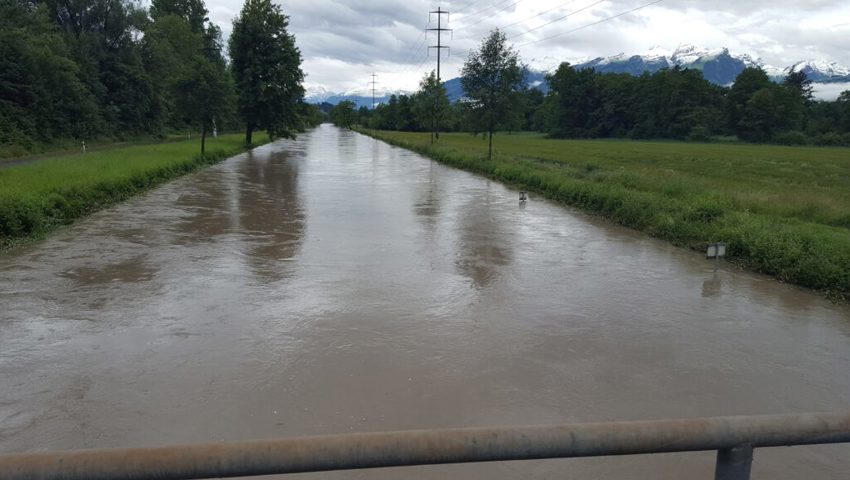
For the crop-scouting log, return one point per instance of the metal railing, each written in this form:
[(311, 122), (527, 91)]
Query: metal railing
[(734, 438)]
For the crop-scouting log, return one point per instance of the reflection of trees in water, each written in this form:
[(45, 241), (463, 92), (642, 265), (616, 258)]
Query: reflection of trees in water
[(484, 247), (208, 204), (427, 206), (271, 214)]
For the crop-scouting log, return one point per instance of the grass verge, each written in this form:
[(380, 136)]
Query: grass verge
[(784, 211), (40, 196)]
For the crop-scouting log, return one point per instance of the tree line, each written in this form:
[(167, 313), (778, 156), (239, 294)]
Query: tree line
[(113, 70), (582, 103)]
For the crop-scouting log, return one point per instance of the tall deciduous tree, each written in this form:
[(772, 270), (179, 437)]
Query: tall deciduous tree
[(748, 82), (204, 95), (193, 11), (266, 66), (431, 104), (492, 76)]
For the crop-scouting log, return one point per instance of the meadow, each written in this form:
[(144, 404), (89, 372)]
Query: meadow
[(784, 211), (41, 195)]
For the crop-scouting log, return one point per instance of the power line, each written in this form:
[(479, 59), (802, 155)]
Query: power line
[(473, 2), (479, 12), (557, 7), (592, 24), (494, 13), (503, 27), (558, 19)]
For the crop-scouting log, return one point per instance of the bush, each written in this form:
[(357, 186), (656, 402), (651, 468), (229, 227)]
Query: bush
[(699, 134), (831, 139), (791, 137)]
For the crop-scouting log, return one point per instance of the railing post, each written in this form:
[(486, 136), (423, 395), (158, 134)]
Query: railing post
[(734, 463)]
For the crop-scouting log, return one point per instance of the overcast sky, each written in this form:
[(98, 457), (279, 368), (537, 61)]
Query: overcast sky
[(343, 41)]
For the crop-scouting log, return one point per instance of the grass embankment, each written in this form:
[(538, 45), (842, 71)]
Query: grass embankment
[(785, 211), (39, 196)]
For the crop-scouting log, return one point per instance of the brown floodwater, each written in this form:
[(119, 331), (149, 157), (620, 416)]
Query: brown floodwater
[(336, 284)]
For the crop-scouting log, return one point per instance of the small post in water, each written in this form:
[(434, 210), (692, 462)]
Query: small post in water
[(523, 196), (716, 251)]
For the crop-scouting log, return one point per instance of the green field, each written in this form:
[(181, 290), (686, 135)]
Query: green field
[(785, 211), (38, 196)]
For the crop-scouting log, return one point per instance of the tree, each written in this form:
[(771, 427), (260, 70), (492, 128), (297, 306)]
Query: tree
[(266, 66), (748, 82), (193, 11), (771, 110), (431, 104), (169, 48), (491, 77), (344, 114), (205, 95), (844, 110), (800, 84)]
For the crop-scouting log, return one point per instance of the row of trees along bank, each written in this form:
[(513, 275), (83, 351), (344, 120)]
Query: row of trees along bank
[(103, 70), (670, 104)]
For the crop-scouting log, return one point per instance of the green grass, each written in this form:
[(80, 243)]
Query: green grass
[(39, 196), (785, 211)]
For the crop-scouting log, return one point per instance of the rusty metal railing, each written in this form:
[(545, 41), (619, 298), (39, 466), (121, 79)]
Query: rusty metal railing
[(734, 438)]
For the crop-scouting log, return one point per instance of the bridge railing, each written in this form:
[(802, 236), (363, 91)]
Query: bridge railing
[(734, 439)]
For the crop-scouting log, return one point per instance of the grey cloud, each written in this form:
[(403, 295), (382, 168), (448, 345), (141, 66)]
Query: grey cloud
[(343, 38)]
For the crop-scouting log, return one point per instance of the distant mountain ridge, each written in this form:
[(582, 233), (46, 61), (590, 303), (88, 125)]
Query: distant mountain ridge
[(718, 66)]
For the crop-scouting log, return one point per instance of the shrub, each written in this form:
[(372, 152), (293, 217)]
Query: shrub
[(791, 137), (699, 134)]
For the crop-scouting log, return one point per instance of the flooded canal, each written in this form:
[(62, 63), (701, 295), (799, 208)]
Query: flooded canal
[(336, 284)]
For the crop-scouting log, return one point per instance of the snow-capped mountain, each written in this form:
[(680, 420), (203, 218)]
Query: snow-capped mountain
[(718, 65), (360, 97), (820, 71), (314, 93)]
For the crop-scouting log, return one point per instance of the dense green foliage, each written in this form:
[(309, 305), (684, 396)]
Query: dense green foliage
[(492, 76), (38, 196), (343, 114), (267, 69), (100, 70), (669, 104), (431, 104), (783, 211)]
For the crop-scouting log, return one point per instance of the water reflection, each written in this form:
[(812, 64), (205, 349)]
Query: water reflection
[(427, 206), (271, 214), (711, 287), (135, 269), (484, 247), (207, 202)]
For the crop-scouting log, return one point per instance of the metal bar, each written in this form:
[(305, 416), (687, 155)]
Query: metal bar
[(389, 449), (734, 463)]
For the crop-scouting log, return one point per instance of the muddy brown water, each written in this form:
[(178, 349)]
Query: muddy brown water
[(336, 284)]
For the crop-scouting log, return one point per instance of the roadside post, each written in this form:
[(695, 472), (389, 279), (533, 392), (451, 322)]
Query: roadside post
[(716, 251)]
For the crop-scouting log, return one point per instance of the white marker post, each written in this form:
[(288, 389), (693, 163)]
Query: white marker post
[(716, 251)]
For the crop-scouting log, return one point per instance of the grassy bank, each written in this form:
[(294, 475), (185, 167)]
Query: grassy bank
[(39, 196), (785, 211)]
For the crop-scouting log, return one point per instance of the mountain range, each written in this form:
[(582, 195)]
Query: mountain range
[(718, 66)]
